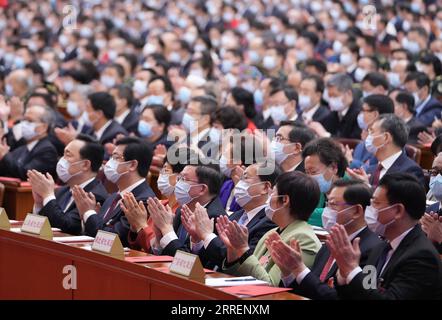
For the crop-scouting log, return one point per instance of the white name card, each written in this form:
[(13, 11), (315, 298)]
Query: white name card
[(38, 225), (108, 243), (187, 265), (4, 220)]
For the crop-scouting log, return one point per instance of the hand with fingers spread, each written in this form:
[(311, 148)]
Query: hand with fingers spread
[(347, 254), (134, 211), (17, 108), (221, 226), (188, 221), (287, 257), (432, 226), (161, 215), (43, 185), (203, 224), (84, 201)]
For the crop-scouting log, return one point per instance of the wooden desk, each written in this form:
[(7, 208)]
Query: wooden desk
[(32, 268), (18, 201)]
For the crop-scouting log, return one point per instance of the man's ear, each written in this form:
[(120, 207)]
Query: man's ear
[(133, 165), (400, 211), (86, 165)]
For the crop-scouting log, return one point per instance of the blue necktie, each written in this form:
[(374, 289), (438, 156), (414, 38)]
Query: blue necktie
[(243, 220)]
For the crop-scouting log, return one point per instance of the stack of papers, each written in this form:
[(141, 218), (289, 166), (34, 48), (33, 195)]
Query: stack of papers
[(253, 291), (234, 282)]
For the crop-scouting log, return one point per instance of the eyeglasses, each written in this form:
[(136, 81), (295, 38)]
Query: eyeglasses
[(434, 172), (281, 138), (334, 204), (118, 158), (180, 177)]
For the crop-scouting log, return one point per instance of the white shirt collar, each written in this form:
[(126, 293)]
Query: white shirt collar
[(132, 187), (100, 132), (423, 103), (252, 213), (308, 115), (294, 167), (123, 116), (387, 163), (84, 184), (31, 145), (397, 241), (344, 112), (294, 117)]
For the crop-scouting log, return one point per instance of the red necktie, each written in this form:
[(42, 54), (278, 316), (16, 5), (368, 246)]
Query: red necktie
[(377, 175), (327, 268), (112, 206)]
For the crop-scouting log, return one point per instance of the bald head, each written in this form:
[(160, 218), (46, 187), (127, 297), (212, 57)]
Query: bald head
[(18, 82)]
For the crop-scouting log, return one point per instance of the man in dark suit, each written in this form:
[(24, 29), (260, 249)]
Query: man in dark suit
[(100, 112), (427, 108), (79, 166), (310, 94), (251, 193), (128, 169), (406, 266), (197, 184), (386, 139), (288, 144), (124, 115), (344, 106), (38, 153), (347, 201), (404, 109)]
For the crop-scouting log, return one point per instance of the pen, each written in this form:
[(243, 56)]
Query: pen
[(240, 279)]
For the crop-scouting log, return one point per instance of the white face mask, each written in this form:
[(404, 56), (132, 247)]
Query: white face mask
[(164, 185), (73, 109), (108, 81), (223, 166), (371, 218), (336, 104), (360, 74), (62, 169), (278, 151), (278, 113), (270, 212), (111, 171), (182, 189), (241, 192), (189, 123), (140, 88), (305, 102), (330, 217), (28, 130)]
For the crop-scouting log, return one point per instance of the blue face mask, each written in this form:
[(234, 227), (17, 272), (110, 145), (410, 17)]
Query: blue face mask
[(361, 122), (324, 185), (144, 129), (258, 96), (436, 187), (155, 100), (370, 146)]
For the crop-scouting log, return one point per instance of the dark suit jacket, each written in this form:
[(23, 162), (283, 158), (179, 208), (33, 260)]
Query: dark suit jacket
[(70, 221), (115, 221), (43, 157), (402, 164), (301, 167), (432, 109), (413, 272), (311, 287), (216, 252), (435, 207), (130, 123), (415, 127), (321, 114), (214, 209), (110, 133), (347, 127)]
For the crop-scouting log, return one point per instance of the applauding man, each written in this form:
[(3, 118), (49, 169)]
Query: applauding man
[(78, 167)]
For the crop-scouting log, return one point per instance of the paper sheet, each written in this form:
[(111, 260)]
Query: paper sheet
[(151, 258), (253, 291), (73, 239)]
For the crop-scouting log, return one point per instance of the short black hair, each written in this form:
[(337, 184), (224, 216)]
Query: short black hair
[(356, 191), (290, 93), (168, 87), (118, 67), (380, 103), (396, 127), (103, 101), (422, 80), (208, 105), (328, 151), (319, 83), (245, 98), (303, 192), (273, 176), (318, 64), (406, 189), (161, 114), (210, 175), (310, 37), (92, 151), (191, 156), (376, 79), (301, 135), (406, 98), (136, 149), (230, 118)]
